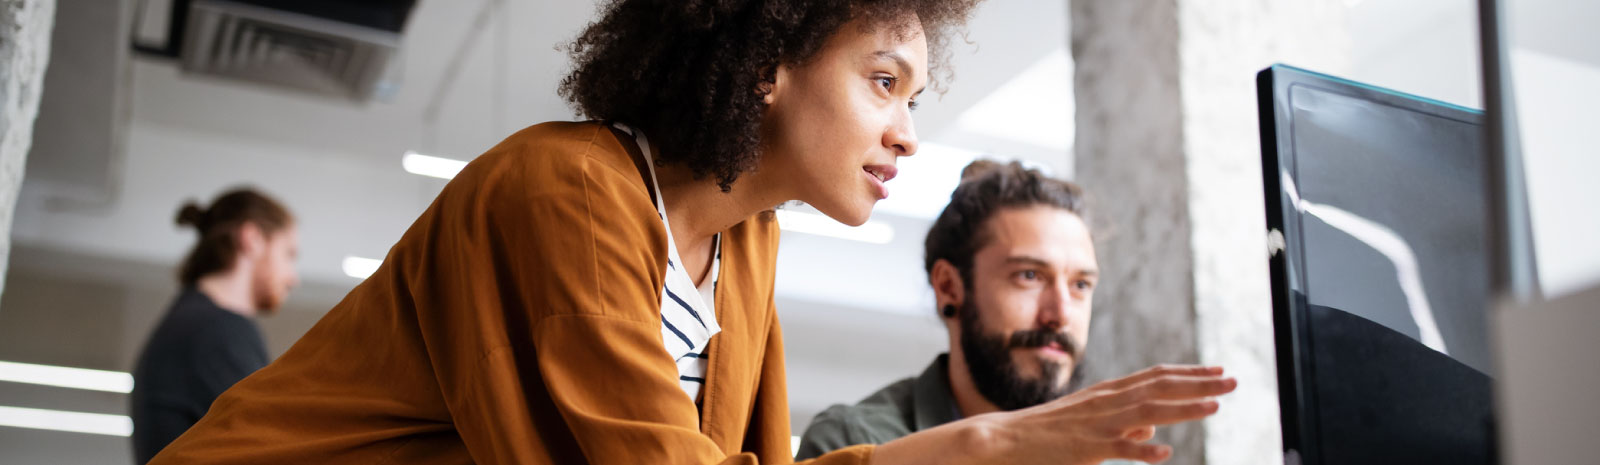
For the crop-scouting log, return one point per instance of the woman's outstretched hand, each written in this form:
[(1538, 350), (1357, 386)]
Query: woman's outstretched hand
[(1110, 420)]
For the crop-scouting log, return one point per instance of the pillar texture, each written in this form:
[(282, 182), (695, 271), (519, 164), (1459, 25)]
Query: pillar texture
[(24, 52), (1168, 150)]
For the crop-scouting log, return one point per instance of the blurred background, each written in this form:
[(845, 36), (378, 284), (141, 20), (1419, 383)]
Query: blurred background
[(123, 137)]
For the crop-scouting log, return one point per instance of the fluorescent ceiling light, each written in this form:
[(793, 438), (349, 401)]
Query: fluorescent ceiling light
[(76, 378), (873, 232), (1033, 108), (360, 268), (60, 420), (427, 165), (810, 223)]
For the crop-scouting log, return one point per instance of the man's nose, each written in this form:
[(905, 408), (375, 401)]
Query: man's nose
[(1053, 307)]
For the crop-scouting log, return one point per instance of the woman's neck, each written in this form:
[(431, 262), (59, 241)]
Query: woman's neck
[(698, 209)]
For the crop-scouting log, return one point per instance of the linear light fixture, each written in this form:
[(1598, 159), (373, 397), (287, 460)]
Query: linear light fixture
[(61, 420), (873, 232), (428, 165), (75, 378), (445, 168), (360, 267)]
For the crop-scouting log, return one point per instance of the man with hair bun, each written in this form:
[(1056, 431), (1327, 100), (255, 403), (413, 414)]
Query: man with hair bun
[(241, 267), (1013, 270)]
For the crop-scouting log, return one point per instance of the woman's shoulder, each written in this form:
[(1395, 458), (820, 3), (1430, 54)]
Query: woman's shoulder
[(561, 173), (558, 148)]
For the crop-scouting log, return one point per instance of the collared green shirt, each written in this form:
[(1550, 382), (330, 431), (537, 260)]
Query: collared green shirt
[(905, 407)]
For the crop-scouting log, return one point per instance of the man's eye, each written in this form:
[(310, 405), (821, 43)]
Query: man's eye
[(1028, 275), (1083, 285)]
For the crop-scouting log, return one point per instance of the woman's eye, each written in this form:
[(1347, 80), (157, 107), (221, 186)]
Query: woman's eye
[(912, 105), (886, 82)]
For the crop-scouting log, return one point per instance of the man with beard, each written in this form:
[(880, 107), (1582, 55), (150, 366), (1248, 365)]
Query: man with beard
[(1013, 270), (241, 268)]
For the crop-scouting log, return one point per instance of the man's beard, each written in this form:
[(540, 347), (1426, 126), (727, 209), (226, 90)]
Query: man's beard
[(266, 300), (995, 373)]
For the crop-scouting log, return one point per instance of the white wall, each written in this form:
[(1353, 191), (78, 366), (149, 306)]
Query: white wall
[(1555, 72)]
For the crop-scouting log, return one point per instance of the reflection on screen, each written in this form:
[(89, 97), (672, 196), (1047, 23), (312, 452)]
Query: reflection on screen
[(1393, 217)]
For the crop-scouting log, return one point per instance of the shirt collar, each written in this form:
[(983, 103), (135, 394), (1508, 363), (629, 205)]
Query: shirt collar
[(932, 401)]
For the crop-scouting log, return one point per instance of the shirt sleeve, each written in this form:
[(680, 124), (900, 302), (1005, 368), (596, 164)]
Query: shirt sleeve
[(538, 297), (829, 431)]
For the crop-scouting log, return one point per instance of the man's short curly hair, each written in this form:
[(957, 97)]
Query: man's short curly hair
[(986, 188), (689, 71)]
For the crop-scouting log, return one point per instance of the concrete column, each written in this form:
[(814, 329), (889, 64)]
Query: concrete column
[(24, 52), (1167, 147)]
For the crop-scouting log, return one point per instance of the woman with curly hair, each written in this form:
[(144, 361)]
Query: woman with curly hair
[(602, 292)]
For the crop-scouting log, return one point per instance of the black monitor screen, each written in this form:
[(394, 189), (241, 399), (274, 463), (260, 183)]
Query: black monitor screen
[(1382, 286)]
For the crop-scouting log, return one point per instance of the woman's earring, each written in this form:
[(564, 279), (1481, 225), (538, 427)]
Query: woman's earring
[(949, 310)]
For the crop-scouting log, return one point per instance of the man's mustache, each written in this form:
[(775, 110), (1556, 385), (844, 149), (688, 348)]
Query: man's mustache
[(1034, 338)]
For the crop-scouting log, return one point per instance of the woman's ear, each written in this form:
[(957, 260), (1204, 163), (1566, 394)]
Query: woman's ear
[(948, 288), (771, 90)]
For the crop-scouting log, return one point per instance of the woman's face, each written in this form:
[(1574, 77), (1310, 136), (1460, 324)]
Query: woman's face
[(836, 125)]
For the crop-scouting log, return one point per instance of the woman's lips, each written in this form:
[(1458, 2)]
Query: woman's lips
[(883, 190), (880, 174), (884, 172)]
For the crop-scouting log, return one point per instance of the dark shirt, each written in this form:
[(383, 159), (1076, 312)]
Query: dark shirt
[(198, 351), (905, 407)]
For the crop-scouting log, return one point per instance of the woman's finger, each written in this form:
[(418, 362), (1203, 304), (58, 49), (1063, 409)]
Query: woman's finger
[(1134, 450), (1141, 434), (1156, 413), (1175, 387), (1158, 371)]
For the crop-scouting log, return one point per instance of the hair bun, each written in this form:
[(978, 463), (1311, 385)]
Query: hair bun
[(191, 215)]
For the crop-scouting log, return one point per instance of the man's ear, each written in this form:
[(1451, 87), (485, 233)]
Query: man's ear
[(948, 288), (251, 239)]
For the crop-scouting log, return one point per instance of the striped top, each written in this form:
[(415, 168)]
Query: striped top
[(688, 311)]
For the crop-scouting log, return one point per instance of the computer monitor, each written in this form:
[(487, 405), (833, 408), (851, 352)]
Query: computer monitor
[(1380, 204)]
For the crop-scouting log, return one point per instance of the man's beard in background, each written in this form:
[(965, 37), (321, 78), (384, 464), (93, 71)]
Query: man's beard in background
[(993, 371)]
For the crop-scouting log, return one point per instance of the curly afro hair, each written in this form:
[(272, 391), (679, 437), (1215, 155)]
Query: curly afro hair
[(690, 71)]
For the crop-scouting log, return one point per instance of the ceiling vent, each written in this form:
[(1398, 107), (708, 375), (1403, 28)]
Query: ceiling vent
[(303, 50)]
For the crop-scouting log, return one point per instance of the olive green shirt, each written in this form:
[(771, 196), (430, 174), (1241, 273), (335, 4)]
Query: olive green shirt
[(902, 408), (905, 407)]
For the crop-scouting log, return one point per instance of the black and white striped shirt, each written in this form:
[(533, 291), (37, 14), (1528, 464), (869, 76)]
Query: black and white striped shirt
[(688, 311)]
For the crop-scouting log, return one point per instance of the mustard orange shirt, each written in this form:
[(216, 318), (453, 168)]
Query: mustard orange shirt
[(518, 321)]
